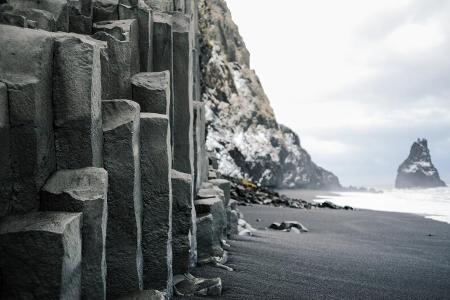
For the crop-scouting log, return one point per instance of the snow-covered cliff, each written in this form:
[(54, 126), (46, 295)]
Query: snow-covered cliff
[(243, 132), (417, 171)]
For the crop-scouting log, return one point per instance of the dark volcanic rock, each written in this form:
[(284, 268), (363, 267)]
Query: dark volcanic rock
[(417, 171)]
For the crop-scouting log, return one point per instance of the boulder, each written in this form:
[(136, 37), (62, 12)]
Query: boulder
[(121, 148), (83, 191), (42, 253), (152, 92), (157, 202), (120, 61), (76, 102), (144, 295), (418, 171), (186, 285), (26, 69), (288, 226)]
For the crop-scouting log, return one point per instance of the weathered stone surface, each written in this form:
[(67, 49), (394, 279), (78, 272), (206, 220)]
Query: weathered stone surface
[(26, 68), (121, 59), (162, 5), (212, 192), (213, 206), (76, 102), (105, 10), (5, 163), (205, 241), (80, 16), (180, 6), (157, 202), (232, 224), (152, 92), (28, 18), (58, 8), (183, 144), (225, 186), (144, 295), (183, 219), (199, 142), (84, 191), (41, 252), (121, 127)]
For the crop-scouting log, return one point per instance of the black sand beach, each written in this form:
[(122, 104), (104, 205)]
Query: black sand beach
[(346, 255)]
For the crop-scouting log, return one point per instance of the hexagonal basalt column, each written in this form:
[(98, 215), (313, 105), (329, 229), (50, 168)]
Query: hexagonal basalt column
[(120, 61), (26, 66), (183, 144), (184, 227), (84, 191), (76, 102), (157, 202), (40, 256), (152, 92), (121, 132)]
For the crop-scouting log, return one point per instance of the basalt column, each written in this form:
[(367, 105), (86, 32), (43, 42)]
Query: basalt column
[(26, 64), (40, 256), (121, 128), (184, 251), (157, 202), (183, 146), (5, 164), (83, 191), (76, 102), (120, 60), (163, 52)]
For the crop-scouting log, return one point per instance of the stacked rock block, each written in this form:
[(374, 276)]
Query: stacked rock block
[(102, 149)]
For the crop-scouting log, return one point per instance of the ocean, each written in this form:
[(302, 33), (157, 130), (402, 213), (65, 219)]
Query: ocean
[(431, 203)]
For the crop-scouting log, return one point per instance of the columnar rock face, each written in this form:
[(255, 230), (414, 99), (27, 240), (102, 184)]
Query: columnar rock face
[(157, 201), (152, 92), (40, 256), (5, 164), (183, 219), (76, 102), (225, 186), (417, 171), (121, 59), (121, 99), (183, 151), (121, 148), (83, 191), (26, 68)]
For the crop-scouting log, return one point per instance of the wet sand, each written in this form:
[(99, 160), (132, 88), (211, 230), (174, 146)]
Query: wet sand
[(346, 255)]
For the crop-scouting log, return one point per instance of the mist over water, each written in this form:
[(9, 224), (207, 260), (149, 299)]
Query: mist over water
[(431, 203)]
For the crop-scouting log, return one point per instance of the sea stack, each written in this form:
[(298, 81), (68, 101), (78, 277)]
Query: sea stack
[(417, 171)]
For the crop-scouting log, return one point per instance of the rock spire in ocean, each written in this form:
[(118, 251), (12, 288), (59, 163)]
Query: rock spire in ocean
[(417, 171)]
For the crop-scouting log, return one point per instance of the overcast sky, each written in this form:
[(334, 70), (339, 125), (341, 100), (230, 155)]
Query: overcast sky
[(358, 80)]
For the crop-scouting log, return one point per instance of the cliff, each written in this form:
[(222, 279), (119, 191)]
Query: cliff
[(242, 130), (417, 171)]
